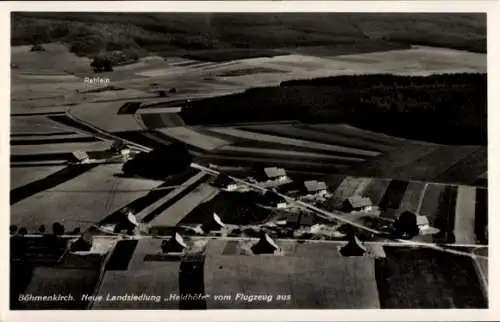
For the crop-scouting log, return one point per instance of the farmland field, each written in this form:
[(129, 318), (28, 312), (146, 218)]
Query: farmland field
[(422, 278), (63, 281), (193, 138), (336, 283), (174, 214), (70, 201), (465, 215), (298, 132)]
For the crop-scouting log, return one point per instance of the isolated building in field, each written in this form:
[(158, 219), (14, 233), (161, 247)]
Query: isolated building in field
[(214, 224), (313, 186), (275, 173), (265, 245), (354, 247), (80, 157), (356, 203), (175, 244)]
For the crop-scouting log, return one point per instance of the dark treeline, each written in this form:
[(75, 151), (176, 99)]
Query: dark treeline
[(447, 109)]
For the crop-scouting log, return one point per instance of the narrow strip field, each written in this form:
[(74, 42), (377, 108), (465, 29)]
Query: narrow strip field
[(393, 195), (294, 142), (426, 279), (23, 176), (79, 202), (432, 164), (346, 189), (353, 132), (58, 147), (299, 132), (174, 214), (237, 150), (376, 190), (150, 212), (384, 165), (193, 138), (465, 215), (412, 196), (469, 169)]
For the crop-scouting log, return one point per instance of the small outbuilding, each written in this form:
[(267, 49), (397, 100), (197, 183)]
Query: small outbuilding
[(314, 186), (356, 203), (274, 172)]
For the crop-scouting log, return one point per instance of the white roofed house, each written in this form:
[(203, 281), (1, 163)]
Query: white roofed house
[(356, 203), (315, 186), (275, 173)]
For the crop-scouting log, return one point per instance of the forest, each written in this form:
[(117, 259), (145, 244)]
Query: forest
[(446, 109)]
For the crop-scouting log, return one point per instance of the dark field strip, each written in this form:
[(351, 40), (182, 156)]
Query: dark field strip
[(232, 208), (172, 119), (430, 203), (37, 114), (286, 147), (468, 169), (481, 215), (376, 190), (40, 157), (481, 182), (445, 219), (412, 196), (20, 277), (41, 134), (141, 203), (289, 154), (296, 132), (61, 176), (153, 121), (122, 254), (384, 165), (327, 168), (192, 281), (427, 279), (430, 165), (351, 132), (138, 137), (36, 164), (52, 141), (152, 215), (394, 194), (65, 120), (334, 182)]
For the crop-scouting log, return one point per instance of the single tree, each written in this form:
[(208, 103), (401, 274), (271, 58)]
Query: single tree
[(42, 229), (57, 229), (13, 229)]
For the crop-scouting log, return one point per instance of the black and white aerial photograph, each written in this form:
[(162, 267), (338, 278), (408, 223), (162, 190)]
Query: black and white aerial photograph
[(220, 161)]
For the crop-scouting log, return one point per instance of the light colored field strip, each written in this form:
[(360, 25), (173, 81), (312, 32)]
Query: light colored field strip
[(365, 182), (293, 142), (421, 200), (41, 137), (193, 138), (412, 197), (157, 110), (287, 153), (174, 214), (58, 147), (172, 194), (465, 212)]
